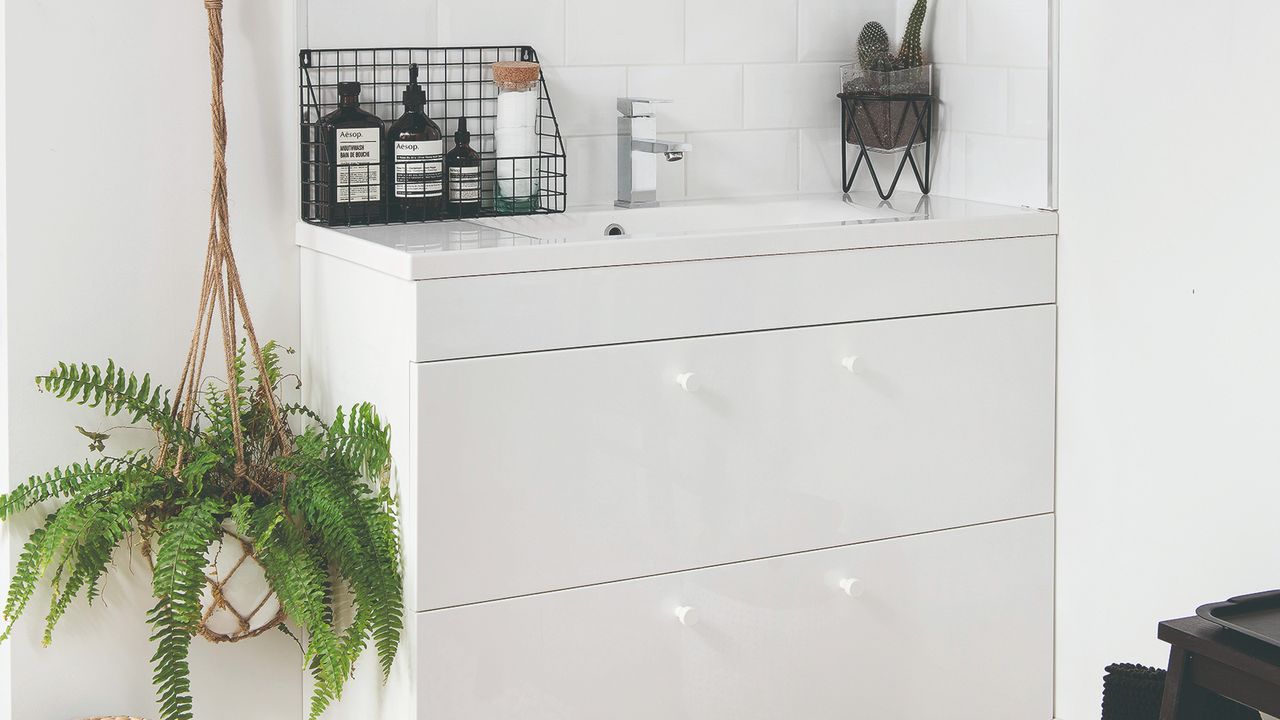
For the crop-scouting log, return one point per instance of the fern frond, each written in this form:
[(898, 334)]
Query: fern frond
[(300, 410), (217, 431), (326, 504), (362, 437), (115, 391), (338, 503), (296, 569), (30, 568), (354, 530), (177, 584), (99, 526), (193, 473), (384, 545), (65, 482), (271, 358), (242, 513)]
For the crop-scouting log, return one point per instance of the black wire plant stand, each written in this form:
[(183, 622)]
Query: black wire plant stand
[(887, 114), (458, 82)]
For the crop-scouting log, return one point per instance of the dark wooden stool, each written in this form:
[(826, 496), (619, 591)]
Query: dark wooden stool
[(1208, 656)]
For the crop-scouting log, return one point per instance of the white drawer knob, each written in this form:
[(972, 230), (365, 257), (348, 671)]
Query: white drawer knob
[(688, 381), (687, 616), (850, 363), (852, 587)]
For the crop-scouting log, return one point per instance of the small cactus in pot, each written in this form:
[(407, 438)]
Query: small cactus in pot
[(880, 72)]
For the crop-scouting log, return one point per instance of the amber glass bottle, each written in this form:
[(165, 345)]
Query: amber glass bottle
[(353, 149), (415, 160), (463, 163)]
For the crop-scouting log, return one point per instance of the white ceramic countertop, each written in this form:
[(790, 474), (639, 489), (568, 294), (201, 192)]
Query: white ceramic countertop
[(678, 231)]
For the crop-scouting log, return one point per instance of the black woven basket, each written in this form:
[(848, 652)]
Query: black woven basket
[(1133, 692)]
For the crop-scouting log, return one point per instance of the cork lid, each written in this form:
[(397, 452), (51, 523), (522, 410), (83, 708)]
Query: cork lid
[(516, 74)]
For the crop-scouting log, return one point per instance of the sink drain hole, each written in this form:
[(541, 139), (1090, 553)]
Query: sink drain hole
[(614, 229)]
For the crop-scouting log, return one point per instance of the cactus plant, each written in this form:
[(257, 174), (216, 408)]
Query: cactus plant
[(897, 79), (911, 54), (873, 48)]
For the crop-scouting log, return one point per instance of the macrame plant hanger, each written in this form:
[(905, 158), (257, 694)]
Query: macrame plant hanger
[(222, 295)]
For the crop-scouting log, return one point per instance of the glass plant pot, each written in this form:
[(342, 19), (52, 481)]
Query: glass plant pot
[(886, 109)]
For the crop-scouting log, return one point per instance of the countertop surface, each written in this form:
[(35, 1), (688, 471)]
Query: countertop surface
[(675, 232)]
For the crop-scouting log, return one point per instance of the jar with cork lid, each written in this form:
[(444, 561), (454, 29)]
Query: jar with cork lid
[(515, 135)]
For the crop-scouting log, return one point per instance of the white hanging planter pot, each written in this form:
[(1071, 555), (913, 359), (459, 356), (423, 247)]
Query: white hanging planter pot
[(237, 602)]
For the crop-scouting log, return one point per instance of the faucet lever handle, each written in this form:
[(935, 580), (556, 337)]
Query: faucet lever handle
[(638, 106)]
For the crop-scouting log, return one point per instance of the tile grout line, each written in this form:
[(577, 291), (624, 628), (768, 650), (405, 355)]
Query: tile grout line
[(684, 31), (796, 55)]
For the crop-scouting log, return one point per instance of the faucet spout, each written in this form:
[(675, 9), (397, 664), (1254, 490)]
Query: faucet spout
[(661, 147)]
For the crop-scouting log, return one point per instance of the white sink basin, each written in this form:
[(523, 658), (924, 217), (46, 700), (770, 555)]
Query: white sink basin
[(674, 232), (692, 217)]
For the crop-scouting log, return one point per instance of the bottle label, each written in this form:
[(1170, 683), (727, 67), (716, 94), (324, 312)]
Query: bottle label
[(464, 184), (419, 168), (359, 165)]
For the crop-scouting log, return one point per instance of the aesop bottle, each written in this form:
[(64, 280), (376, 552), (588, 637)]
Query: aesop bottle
[(415, 160), (463, 164), (353, 146)]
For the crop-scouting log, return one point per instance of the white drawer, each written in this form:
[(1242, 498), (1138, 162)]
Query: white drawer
[(524, 312), (553, 470), (954, 625)]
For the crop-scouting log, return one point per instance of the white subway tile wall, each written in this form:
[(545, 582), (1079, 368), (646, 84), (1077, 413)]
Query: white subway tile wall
[(1029, 103), (744, 163), (581, 97), (792, 95), (829, 28), (753, 81), (956, 83), (501, 22), (342, 23), (741, 31), (620, 32), (703, 97)]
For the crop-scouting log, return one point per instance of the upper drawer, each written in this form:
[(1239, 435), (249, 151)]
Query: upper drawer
[(551, 470), (522, 312)]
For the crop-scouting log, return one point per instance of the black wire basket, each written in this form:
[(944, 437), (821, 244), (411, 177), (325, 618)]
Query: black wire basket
[(458, 83)]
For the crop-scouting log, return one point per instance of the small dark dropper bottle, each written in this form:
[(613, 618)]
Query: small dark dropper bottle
[(463, 164)]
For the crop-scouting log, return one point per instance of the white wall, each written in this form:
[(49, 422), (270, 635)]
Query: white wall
[(753, 82), (108, 137), (4, 360), (1169, 342)]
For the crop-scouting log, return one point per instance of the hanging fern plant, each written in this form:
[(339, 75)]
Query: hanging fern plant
[(319, 518), (308, 501)]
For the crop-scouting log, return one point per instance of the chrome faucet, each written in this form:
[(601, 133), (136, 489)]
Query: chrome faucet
[(638, 151)]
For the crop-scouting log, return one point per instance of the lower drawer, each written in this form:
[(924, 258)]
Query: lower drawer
[(956, 624)]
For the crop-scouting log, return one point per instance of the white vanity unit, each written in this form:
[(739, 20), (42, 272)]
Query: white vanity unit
[(753, 460)]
